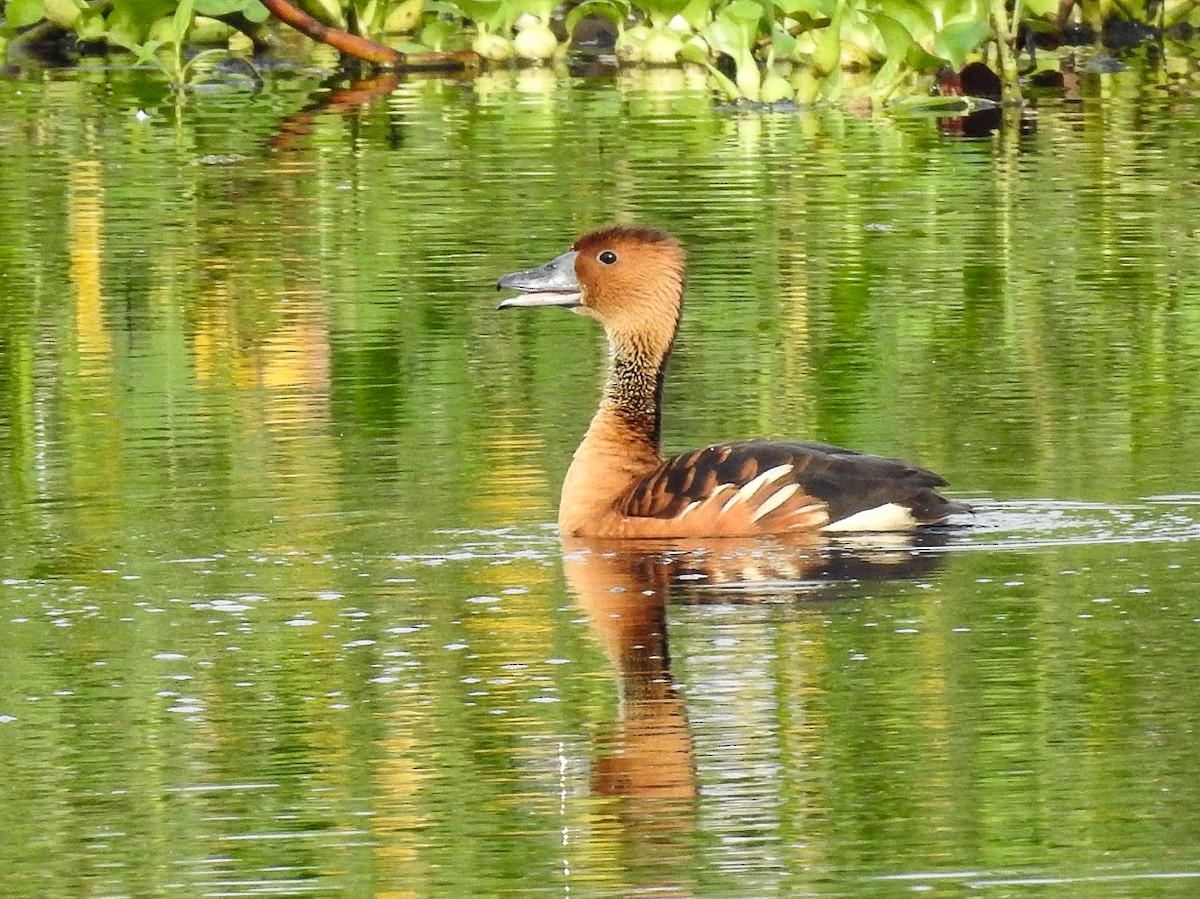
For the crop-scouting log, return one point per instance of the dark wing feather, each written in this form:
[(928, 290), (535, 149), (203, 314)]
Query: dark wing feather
[(844, 480)]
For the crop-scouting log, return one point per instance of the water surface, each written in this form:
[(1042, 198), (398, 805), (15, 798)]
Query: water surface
[(283, 610)]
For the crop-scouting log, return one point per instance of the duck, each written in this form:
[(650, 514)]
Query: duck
[(619, 485)]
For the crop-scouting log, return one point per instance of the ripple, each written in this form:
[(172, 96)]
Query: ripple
[(1029, 524)]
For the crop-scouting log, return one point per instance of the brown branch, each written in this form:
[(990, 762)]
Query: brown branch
[(363, 48), (350, 44)]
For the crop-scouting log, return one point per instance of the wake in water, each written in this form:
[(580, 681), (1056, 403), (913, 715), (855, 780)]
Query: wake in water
[(1033, 523), (994, 525), (817, 562)]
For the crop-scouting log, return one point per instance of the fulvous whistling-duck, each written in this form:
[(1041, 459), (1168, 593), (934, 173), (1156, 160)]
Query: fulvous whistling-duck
[(618, 485)]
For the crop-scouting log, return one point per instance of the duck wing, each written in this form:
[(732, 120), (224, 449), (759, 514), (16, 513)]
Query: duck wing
[(766, 486)]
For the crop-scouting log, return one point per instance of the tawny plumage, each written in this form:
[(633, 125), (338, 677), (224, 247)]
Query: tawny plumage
[(631, 281)]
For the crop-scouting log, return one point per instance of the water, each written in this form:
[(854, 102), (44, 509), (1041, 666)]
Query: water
[(282, 608)]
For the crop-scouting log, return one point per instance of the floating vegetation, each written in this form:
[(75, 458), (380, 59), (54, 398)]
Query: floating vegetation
[(770, 52)]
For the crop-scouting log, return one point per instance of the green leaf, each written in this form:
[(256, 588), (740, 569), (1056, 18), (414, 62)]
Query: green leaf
[(123, 30), (139, 15), (776, 88), (828, 53), (726, 37), (214, 8), (693, 51), (734, 33), (735, 29), (19, 13), (728, 88), (146, 52), (897, 42), (697, 13), (475, 10), (748, 77), (914, 16), (90, 26), (63, 13), (958, 39), (1039, 9), (746, 13), (782, 45), (812, 9), (364, 13), (964, 9), (183, 18), (256, 12), (921, 61), (806, 86), (660, 12), (438, 32)]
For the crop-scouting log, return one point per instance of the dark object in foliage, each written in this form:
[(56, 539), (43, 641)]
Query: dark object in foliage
[(980, 81), (1076, 34), (594, 34), (1121, 34), (1048, 79), (974, 80)]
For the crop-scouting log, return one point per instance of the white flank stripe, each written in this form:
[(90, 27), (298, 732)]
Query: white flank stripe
[(888, 517), (689, 508), (751, 487), (804, 510), (775, 500), (774, 474)]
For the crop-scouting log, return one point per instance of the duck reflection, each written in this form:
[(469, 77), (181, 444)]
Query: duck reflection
[(624, 588), (648, 752)]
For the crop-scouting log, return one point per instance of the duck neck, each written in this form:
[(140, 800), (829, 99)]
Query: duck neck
[(632, 398)]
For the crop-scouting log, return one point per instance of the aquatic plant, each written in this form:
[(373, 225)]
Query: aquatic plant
[(755, 51), (165, 42), (131, 23), (801, 49)]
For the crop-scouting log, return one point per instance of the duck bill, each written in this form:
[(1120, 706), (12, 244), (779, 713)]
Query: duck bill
[(552, 284)]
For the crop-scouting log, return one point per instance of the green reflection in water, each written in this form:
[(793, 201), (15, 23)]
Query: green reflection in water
[(281, 608)]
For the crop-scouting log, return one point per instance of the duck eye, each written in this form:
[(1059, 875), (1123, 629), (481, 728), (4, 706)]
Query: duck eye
[(608, 257)]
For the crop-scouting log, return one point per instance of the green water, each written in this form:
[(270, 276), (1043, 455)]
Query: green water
[(282, 607)]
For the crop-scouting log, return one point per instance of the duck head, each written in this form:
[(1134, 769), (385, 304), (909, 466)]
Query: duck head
[(630, 279)]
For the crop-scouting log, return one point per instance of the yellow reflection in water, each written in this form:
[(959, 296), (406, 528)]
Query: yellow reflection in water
[(85, 204), (95, 468), (794, 349), (266, 352), (514, 481), (214, 338)]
